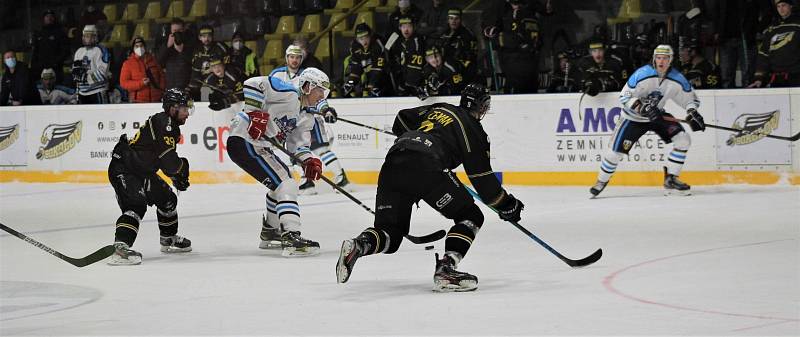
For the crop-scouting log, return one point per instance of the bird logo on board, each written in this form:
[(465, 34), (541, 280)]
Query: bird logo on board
[(8, 135), (754, 127), (58, 139)]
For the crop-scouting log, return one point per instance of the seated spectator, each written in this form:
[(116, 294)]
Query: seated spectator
[(52, 93), (563, 78), (407, 57), (16, 87), (441, 78), (141, 75), (176, 56), (227, 86), (778, 63), (309, 60), (433, 22), (242, 58), (701, 73), (90, 69), (598, 73), (366, 69)]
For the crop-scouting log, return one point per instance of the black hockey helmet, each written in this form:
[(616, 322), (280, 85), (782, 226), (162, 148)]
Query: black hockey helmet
[(175, 96), (476, 100)]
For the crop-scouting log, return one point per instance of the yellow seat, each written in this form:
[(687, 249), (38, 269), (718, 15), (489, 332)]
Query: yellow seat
[(131, 12), (372, 4), (142, 29), (273, 52), (175, 10), (265, 69), (252, 45), (388, 7), (341, 26), (341, 6), (152, 11), (629, 10), (119, 35), (199, 9), (286, 25), (22, 57), (311, 25), (367, 17), (110, 11), (324, 48)]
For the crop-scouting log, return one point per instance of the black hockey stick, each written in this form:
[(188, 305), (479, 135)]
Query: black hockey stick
[(98, 255), (791, 139), (361, 125), (572, 263), (435, 236)]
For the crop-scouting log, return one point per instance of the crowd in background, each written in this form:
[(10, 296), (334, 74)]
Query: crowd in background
[(425, 50)]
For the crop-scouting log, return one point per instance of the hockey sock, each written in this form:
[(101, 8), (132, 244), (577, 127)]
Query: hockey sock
[(127, 228), (460, 236), (331, 162), (286, 205), (608, 166), (272, 214), (167, 222), (677, 156)]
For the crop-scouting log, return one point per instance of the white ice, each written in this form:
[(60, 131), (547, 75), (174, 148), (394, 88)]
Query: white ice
[(725, 261)]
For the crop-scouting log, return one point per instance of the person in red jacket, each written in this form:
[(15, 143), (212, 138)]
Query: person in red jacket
[(141, 75)]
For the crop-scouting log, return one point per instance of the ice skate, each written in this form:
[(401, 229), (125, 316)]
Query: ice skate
[(295, 245), (597, 188), (447, 278), (351, 250), (308, 188), (124, 255), (270, 237), (175, 244), (673, 186)]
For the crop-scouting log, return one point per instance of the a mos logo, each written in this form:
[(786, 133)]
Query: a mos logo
[(8, 135), (754, 127), (58, 139)]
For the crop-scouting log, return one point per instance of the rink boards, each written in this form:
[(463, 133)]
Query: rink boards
[(536, 139)]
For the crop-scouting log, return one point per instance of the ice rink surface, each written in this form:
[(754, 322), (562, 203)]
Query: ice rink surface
[(725, 261)]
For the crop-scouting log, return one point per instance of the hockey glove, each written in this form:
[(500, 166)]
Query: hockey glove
[(591, 88), (181, 179), (258, 123), (374, 92), (510, 209), (327, 112), (651, 111), (695, 120), (422, 93), (312, 167), (348, 87), (217, 101)]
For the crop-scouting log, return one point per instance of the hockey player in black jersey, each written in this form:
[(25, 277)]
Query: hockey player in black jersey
[(132, 173), (440, 78), (433, 140), (598, 73), (701, 73)]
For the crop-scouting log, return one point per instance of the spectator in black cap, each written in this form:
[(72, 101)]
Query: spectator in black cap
[(366, 70), (563, 78), (207, 49), (597, 72), (460, 45), (778, 63), (50, 47), (701, 73), (407, 56)]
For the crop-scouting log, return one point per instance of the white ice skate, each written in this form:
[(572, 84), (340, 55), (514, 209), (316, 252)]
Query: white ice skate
[(124, 256)]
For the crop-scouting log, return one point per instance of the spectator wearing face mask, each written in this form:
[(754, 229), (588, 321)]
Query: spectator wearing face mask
[(16, 87), (52, 93), (242, 58), (141, 75)]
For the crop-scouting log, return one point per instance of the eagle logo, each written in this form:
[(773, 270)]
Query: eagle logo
[(58, 139), (753, 127), (8, 135)]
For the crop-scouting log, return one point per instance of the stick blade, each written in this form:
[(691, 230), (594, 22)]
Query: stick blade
[(435, 236), (586, 260), (98, 255)]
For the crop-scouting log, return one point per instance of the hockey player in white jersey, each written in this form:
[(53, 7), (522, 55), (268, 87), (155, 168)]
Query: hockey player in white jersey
[(273, 111), (90, 69), (643, 98), (320, 138)]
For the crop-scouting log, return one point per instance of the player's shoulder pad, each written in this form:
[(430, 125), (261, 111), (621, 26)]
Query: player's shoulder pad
[(678, 77), (641, 74), (280, 85)]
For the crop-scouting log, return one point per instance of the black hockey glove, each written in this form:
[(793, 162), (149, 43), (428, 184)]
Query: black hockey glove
[(329, 114), (422, 93), (695, 120), (651, 111), (181, 179), (217, 101), (375, 92), (510, 209), (591, 88), (348, 87)]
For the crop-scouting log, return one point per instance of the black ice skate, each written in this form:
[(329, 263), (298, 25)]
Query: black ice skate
[(124, 255), (597, 188), (175, 244), (351, 250), (447, 278), (308, 188), (673, 186), (295, 245), (270, 237)]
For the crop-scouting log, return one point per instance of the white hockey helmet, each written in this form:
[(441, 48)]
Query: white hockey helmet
[(315, 78), (293, 50), (89, 35), (663, 49)]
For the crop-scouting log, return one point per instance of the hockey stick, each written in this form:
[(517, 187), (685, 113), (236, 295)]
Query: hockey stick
[(359, 124), (572, 263), (790, 139), (98, 255), (435, 236)]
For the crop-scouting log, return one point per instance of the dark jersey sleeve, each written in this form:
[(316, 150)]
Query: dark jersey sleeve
[(478, 166)]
